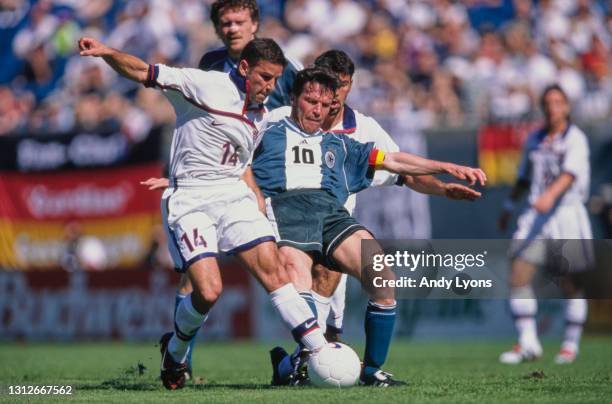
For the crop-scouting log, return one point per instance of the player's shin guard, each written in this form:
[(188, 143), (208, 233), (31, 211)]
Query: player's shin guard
[(298, 317), (524, 308), (187, 322), (337, 304), (322, 304), (379, 323), (575, 317), (178, 298)]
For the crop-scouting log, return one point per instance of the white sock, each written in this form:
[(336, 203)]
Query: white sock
[(524, 309), (323, 308), (337, 304), (575, 317), (298, 317), (187, 323)]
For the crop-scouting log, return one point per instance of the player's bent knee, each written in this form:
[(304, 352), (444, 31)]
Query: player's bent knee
[(210, 292), (521, 273)]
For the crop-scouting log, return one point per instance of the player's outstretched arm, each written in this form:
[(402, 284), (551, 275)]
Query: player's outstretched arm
[(428, 184), (126, 65), (410, 164)]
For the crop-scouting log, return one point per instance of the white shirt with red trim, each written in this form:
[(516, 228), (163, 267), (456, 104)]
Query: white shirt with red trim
[(545, 158), (215, 134)]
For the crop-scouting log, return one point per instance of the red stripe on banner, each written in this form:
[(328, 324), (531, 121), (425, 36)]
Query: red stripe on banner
[(82, 194)]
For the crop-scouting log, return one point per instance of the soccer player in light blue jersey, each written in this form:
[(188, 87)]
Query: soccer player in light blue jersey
[(361, 128), (307, 175), (343, 119)]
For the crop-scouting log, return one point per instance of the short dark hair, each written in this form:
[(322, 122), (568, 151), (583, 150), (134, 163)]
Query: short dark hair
[(263, 49), (316, 74), (337, 61), (219, 5), (548, 89)]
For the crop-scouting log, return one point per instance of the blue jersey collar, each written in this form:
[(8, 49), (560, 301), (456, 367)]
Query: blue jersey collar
[(349, 121), (544, 131)]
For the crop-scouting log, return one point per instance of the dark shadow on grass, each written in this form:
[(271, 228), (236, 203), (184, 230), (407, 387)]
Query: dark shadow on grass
[(120, 385)]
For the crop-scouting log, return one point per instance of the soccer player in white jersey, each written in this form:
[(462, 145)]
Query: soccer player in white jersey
[(555, 170), (208, 208), (342, 119), (236, 23), (306, 175)]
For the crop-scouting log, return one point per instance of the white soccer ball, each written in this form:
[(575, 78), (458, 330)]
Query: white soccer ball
[(334, 365)]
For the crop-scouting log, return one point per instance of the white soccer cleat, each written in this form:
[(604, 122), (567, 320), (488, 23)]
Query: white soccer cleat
[(565, 356), (521, 354)]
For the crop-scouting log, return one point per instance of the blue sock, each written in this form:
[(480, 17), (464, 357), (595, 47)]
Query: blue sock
[(307, 296), (178, 298), (379, 322)]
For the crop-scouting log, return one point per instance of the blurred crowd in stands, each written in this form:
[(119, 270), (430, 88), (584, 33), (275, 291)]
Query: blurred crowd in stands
[(438, 62)]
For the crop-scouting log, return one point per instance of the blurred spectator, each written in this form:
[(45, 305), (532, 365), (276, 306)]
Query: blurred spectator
[(15, 110)]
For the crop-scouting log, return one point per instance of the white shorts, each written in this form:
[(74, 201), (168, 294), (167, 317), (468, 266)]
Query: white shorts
[(565, 232), (202, 221)]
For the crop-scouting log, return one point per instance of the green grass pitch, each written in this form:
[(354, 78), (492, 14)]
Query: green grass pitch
[(240, 372)]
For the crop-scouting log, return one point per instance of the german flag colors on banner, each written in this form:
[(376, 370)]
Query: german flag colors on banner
[(42, 198)]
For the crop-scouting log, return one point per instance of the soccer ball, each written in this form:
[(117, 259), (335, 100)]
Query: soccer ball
[(334, 365)]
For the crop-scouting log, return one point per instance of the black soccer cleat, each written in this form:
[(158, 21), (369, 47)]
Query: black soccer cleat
[(173, 374), (300, 377), (277, 354), (380, 379)]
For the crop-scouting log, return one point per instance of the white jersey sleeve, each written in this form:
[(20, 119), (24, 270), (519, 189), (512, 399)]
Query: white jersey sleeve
[(375, 133), (368, 130), (206, 89), (577, 163), (576, 159)]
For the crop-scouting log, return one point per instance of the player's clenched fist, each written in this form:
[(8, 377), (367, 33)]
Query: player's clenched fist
[(92, 47)]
